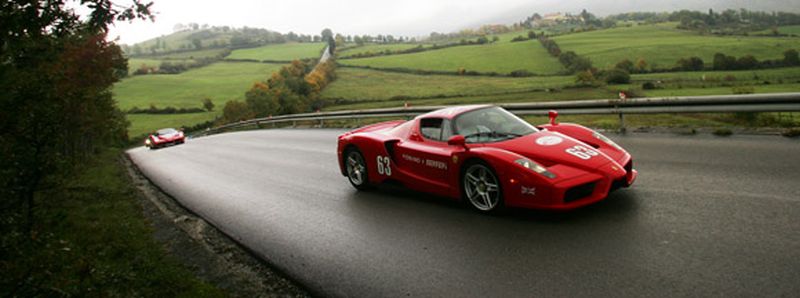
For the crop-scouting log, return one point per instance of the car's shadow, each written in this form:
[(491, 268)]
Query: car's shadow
[(620, 204)]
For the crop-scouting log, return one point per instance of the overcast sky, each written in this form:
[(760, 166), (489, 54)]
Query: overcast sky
[(396, 17)]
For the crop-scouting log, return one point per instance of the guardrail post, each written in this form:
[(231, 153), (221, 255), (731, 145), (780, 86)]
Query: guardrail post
[(321, 123), (294, 124), (621, 122)]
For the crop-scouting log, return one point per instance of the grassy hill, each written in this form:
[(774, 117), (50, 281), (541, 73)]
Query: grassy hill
[(220, 81), (662, 45), (280, 52), (364, 84), (500, 57)]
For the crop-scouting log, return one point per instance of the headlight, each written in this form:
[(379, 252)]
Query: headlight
[(147, 142), (606, 140), (531, 165)]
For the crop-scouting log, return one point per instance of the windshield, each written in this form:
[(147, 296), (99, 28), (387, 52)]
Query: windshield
[(165, 131), (491, 124)]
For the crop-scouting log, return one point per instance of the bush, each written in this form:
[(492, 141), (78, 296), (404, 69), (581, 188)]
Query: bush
[(791, 58), (690, 64), (519, 38), (520, 73), (649, 86), (208, 104), (625, 65), (617, 76), (585, 78)]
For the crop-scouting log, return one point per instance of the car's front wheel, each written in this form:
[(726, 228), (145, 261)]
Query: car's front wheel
[(356, 168), (481, 187)]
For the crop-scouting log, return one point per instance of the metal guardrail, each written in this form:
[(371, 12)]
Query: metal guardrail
[(774, 102)]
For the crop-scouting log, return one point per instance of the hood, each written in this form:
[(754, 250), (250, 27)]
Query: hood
[(550, 148)]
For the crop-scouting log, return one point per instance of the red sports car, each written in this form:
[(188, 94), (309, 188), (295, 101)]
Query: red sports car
[(488, 157), (164, 137)]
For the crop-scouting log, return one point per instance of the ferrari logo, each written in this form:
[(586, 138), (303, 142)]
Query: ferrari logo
[(455, 159)]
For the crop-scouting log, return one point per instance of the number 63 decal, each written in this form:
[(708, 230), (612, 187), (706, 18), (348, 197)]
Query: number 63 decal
[(383, 165), (582, 152)]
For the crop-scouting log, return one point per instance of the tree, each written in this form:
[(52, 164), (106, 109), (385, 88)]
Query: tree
[(208, 104), (197, 43), (261, 101), (235, 111), (691, 64), (531, 34), (56, 74), (724, 62), (641, 65), (791, 58), (327, 36), (747, 62)]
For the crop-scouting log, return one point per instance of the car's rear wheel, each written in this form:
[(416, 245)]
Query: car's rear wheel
[(356, 168), (481, 187)]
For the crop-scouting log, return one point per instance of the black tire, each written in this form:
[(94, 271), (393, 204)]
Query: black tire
[(356, 168), (481, 187)]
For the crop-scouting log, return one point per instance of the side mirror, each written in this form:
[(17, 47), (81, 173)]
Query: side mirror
[(457, 140), (553, 114)]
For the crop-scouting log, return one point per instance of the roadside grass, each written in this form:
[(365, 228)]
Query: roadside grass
[(500, 57), (775, 75), (720, 90), (661, 45), (221, 82), (142, 124), (280, 52), (365, 84), (91, 239)]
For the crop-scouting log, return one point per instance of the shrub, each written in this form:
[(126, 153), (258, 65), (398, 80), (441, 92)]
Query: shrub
[(519, 38), (585, 78), (648, 86), (520, 73), (617, 76), (625, 65), (208, 104)]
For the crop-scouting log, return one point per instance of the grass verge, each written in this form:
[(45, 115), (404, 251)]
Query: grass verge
[(91, 239)]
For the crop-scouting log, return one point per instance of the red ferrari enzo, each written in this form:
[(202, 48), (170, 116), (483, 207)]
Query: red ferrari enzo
[(488, 157), (164, 137)]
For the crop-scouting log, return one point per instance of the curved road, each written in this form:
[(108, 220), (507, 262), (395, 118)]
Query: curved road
[(708, 216)]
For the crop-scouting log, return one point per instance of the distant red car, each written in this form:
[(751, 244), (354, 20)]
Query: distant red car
[(488, 157), (164, 137)]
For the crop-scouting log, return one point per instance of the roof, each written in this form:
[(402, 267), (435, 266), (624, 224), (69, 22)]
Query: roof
[(451, 112)]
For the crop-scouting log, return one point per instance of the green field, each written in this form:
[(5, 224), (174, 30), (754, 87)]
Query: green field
[(662, 45), (791, 30), (501, 57), (364, 84), (207, 53), (142, 124), (377, 48), (220, 81), (136, 63), (280, 52)]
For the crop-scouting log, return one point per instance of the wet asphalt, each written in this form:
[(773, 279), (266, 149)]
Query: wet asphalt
[(708, 216)]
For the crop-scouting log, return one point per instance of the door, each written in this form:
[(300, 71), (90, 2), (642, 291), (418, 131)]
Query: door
[(426, 155)]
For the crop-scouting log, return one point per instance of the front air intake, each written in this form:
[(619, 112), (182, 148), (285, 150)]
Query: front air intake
[(579, 192)]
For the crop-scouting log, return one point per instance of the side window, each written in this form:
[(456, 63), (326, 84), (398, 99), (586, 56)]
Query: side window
[(447, 130), (431, 128)]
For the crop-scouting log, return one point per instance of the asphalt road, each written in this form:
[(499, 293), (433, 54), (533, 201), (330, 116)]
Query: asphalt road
[(708, 216)]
